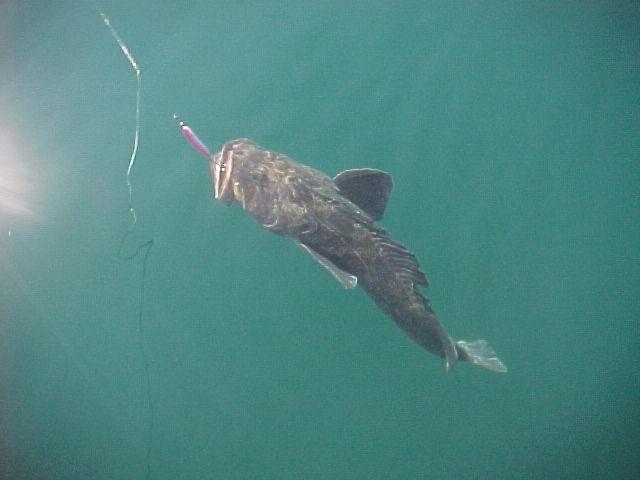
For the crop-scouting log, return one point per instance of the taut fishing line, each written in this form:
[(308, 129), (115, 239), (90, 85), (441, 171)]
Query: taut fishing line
[(145, 247)]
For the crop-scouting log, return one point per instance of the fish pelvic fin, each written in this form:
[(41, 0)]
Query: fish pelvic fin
[(479, 353)]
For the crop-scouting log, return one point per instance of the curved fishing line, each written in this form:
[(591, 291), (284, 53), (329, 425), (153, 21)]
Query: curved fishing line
[(134, 151), (144, 247)]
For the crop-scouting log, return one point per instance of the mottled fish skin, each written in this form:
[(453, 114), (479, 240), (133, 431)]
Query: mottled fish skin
[(294, 200)]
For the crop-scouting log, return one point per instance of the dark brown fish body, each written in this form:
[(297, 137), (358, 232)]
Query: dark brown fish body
[(334, 221)]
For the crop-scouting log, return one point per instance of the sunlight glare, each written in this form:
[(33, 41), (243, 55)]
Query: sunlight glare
[(16, 191)]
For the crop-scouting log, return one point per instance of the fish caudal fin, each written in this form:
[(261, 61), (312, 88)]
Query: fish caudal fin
[(479, 353)]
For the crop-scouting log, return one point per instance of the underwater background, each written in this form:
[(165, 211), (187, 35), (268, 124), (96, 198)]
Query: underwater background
[(511, 130)]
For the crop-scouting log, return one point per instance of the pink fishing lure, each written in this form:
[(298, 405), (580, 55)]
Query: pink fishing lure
[(192, 138)]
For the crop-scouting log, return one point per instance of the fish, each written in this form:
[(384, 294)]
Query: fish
[(334, 221)]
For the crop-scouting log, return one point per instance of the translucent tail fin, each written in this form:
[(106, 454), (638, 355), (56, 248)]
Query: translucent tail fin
[(481, 354)]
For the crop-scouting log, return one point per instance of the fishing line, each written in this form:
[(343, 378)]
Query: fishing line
[(145, 247), (134, 151)]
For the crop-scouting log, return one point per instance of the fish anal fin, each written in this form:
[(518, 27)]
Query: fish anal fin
[(368, 188), (345, 279)]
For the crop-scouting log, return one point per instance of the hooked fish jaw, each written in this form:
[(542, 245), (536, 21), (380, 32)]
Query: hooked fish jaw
[(221, 170)]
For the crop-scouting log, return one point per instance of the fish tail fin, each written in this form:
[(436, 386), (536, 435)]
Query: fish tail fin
[(479, 353)]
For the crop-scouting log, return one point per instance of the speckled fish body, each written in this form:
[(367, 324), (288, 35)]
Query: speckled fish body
[(334, 220)]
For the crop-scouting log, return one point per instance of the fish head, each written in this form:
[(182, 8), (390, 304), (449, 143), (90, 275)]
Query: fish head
[(234, 170)]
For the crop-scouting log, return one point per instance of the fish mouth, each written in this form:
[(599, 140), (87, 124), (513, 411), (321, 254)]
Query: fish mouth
[(221, 168)]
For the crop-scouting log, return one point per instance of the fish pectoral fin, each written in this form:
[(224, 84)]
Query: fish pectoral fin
[(368, 188), (346, 279)]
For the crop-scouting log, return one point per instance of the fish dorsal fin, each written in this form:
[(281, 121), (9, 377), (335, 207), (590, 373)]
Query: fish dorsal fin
[(346, 279), (404, 262), (367, 188)]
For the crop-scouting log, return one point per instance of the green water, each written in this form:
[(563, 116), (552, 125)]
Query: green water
[(512, 134)]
